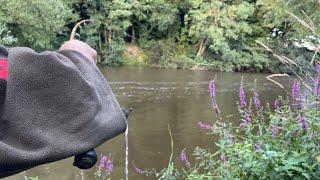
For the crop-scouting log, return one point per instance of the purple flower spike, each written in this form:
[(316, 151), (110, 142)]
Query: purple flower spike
[(102, 162), (248, 117), (223, 158), (101, 166), (184, 158), (242, 98), (256, 101), (229, 135), (204, 126), (109, 167), (304, 124), (216, 108), (213, 95), (257, 146), (212, 89), (243, 124), (139, 171), (275, 130), (104, 158), (294, 92), (277, 104)]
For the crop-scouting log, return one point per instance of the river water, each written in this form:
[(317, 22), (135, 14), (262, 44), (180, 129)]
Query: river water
[(162, 98)]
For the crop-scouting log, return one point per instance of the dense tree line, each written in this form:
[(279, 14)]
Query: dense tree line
[(213, 34)]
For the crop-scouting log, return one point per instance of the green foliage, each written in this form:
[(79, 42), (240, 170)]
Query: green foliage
[(222, 33), (300, 56), (161, 52), (274, 13), (184, 62), (5, 36), (35, 23), (164, 18)]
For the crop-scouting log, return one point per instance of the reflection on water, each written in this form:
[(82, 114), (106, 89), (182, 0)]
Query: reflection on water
[(162, 97)]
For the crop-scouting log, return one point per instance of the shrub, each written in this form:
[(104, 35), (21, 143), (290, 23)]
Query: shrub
[(161, 52), (184, 62)]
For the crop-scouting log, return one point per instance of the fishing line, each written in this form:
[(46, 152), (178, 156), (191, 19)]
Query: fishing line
[(127, 140)]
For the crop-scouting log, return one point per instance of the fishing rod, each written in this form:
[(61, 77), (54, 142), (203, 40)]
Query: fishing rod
[(88, 159)]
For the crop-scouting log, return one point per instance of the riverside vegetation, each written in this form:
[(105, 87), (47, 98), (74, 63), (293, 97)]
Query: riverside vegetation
[(265, 144), (278, 141), (198, 34)]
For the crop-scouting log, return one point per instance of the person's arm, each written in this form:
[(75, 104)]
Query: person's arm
[(56, 105)]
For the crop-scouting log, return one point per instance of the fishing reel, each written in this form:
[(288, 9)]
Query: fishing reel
[(86, 160)]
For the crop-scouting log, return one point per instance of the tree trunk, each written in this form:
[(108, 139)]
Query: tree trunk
[(201, 48), (110, 37), (133, 38), (105, 35), (99, 46)]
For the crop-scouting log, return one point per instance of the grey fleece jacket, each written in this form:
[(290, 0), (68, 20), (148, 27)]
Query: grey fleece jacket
[(53, 105)]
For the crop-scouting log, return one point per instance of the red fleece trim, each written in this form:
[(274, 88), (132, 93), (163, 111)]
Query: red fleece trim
[(3, 69)]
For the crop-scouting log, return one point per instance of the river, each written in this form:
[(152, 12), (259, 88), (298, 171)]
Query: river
[(162, 97)]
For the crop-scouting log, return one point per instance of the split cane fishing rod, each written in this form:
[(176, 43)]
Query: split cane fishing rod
[(88, 159)]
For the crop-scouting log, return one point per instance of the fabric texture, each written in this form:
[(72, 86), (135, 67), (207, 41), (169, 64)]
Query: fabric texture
[(53, 105)]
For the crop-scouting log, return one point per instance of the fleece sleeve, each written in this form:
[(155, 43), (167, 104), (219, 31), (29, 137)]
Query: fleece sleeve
[(53, 105)]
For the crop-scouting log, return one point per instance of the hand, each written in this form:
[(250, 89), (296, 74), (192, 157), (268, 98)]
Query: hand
[(81, 47)]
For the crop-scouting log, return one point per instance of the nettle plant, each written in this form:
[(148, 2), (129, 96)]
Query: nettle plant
[(282, 143)]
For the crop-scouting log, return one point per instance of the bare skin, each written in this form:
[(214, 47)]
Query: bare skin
[(81, 47)]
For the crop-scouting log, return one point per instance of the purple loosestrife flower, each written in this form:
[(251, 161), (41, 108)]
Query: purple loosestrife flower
[(139, 171), (257, 146), (277, 103), (223, 158), (304, 123), (213, 95), (304, 126), (256, 101), (212, 89), (248, 117), (102, 162), (109, 167), (101, 166), (294, 92), (242, 98), (204, 126), (243, 124), (229, 136), (275, 130), (216, 108), (184, 158)]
